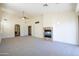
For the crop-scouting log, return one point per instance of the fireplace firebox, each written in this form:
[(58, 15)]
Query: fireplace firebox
[(48, 33)]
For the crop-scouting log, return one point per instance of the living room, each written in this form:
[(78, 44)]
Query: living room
[(51, 22)]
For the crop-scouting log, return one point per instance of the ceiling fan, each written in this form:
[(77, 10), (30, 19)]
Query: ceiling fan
[(24, 17)]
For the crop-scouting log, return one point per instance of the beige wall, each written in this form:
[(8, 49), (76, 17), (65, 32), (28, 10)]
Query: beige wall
[(37, 29), (64, 26)]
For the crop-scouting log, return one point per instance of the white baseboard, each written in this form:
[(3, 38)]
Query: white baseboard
[(75, 44)]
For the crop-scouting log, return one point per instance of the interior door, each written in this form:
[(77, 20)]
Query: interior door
[(29, 30)]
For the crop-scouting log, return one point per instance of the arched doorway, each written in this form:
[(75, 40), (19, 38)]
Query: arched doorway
[(17, 30)]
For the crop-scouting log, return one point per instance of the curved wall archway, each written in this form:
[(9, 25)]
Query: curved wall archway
[(17, 30)]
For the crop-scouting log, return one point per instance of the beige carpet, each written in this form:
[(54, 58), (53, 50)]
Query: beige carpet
[(30, 46)]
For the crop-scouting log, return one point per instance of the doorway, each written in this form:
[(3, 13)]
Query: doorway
[(17, 30), (29, 30)]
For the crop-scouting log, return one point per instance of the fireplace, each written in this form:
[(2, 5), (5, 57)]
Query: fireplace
[(48, 33)]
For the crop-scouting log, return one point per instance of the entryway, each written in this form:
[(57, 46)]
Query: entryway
[(17, 30)]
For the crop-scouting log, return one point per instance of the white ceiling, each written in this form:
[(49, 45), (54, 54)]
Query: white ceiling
[(36, 9)]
